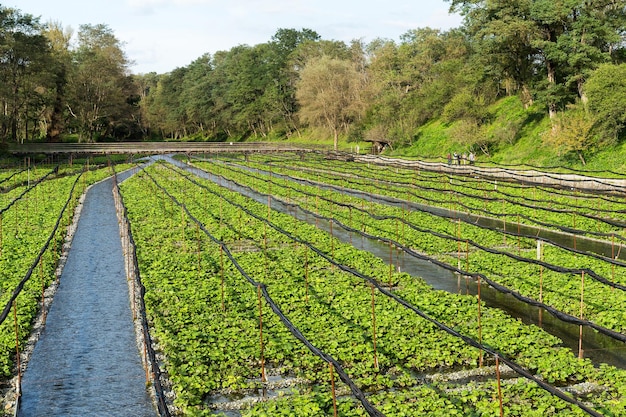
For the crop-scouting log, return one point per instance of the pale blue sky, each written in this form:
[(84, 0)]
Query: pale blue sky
[(160, 35)]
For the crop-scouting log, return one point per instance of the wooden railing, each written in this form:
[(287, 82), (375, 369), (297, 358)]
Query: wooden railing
[(155, 147)]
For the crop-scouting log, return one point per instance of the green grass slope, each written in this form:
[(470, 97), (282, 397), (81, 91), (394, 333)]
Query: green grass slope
[(515, 136)]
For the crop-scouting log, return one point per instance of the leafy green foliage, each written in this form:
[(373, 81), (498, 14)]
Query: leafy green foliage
[(209, 349)]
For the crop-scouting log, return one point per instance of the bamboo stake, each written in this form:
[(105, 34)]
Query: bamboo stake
[(458, 242), (467, 255), (612, 253), (17, 350), (374, 327), (390, 265), (306, 274), (480, 329), (519, 244), (43, 291), (580, 328), (222, 275), (540, 257), (263, 377), (574, 215), (332, 243), (350, 210), (332, 384), (199, 249), (183, 226), (499, 386)]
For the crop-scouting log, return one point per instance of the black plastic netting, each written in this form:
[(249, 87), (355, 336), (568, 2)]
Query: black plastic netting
[(371, 410), (20, 286), (513, 365), (407, 185), (501, 288), (467, 183), (552, 267)]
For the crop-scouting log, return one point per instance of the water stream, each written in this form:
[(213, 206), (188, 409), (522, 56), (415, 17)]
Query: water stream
[(564, 239), (596, 346), (86, 361)]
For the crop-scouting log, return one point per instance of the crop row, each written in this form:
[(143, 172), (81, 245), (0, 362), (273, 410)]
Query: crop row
[(208, 326), (555, 280), (534, 206), (29, 215)]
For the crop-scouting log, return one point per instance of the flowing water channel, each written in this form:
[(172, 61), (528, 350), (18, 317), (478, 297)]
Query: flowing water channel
[(596, 346), (568, 240), (86, 362)]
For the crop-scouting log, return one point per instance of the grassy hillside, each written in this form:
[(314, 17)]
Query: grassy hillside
[(515, 135)]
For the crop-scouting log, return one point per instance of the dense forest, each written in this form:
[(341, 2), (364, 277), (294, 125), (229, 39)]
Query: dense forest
[(564, 60)]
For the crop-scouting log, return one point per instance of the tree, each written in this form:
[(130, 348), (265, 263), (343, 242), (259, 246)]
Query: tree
[(606, 89), (412, 82), (573, 133), (329, 92), (102, 87), (24, 55), (281, 94), (60, 68), (561, 41)]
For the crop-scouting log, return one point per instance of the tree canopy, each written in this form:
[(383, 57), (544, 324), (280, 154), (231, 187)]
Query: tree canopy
[(559, 57)]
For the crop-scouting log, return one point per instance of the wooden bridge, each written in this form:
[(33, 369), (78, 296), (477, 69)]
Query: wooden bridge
[(156, 148)]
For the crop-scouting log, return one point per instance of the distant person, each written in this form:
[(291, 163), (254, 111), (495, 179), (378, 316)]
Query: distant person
[(472, 158), (449, 159), (464, 158), (455, 157)]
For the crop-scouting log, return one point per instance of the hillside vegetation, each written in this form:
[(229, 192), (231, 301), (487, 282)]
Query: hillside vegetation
[(541, 81), (518, 137)]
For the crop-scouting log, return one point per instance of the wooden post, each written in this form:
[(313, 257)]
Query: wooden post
[(374, 327), (480, 330), (332, 385), (580, 328), (263, 377), (499, 385)]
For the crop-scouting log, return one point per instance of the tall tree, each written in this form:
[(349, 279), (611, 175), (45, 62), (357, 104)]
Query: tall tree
[(281, 94), (24, 54), (606, 90), (559, 40), (330, 94), (60, 68), (101, 85)]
